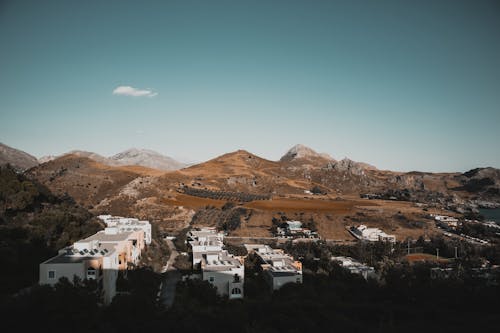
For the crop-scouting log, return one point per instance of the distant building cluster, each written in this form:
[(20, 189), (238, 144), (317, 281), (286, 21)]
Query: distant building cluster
[(223, 270), (294, 229), (447, 222), (355, 267), (451, 224), (362, 232), (278, 267), (227, 272), (101, 256)]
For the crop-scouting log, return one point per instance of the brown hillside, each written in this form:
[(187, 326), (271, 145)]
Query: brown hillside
[(163, 197), (87, 181)]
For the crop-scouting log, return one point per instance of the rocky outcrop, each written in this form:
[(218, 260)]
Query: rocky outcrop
[(350, 166), (302, 152)]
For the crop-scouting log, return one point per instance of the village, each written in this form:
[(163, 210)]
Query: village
[(117, 249)]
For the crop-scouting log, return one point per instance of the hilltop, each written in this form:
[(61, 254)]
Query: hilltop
[(147, 158), (130, 157), (18, 159), (304, 154)]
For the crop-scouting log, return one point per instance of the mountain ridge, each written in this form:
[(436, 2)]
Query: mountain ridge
[(19, 159), (148, 158), (130, 157)]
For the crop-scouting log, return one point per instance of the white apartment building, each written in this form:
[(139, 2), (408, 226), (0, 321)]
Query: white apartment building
[(99, 257), (206, 241), (223, 270), (355, 267), (128, 224), (362, 232), (278, 267)]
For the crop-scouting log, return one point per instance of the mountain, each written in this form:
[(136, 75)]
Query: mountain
[(301, 152), (138, 157), (46, 158), (238, 171), (147, 158), (93, 156), (267, 190), (483, 183), (16, 158), (84, 179)]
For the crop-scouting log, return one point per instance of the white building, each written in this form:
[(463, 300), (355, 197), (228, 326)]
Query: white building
[(362, 232), (446, 221), (223, 270), (355, 267), (294, 229), (204, 241), (278, 267), (98, 257), (128, 224)]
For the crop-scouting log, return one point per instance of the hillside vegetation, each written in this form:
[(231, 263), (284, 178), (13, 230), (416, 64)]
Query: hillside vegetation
[(34, 224)]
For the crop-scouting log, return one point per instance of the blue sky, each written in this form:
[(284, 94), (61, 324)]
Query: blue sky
[(403, 85)]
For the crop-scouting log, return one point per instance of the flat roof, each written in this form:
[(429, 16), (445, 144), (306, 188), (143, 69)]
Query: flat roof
[(69, 259), (103, 237), (75, 257)]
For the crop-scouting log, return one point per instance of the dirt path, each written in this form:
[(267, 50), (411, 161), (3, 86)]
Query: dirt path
[(171, 277)]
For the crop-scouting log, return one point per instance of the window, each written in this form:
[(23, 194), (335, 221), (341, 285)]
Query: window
[(236, 291), (91, 273), (211, 279), (52, 274)]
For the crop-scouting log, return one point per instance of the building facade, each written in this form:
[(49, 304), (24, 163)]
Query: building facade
[(362, 232), (221, 269), (99, 257), (355, 267), (278, 267)]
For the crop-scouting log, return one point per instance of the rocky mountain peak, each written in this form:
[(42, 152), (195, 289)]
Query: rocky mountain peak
[(147, 158), (300, 151), (134, 153)]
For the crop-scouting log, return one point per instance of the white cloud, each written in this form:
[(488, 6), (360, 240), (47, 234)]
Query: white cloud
[(131, 91)]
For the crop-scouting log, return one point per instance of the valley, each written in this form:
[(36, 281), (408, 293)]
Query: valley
[(302, 185)]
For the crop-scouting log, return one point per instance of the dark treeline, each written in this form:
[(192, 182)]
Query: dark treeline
[(330, 299)]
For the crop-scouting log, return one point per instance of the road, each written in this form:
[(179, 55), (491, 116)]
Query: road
[(248, 238), (171, 277)]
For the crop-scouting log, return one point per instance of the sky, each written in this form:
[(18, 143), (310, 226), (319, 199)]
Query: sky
[(403, 85)]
